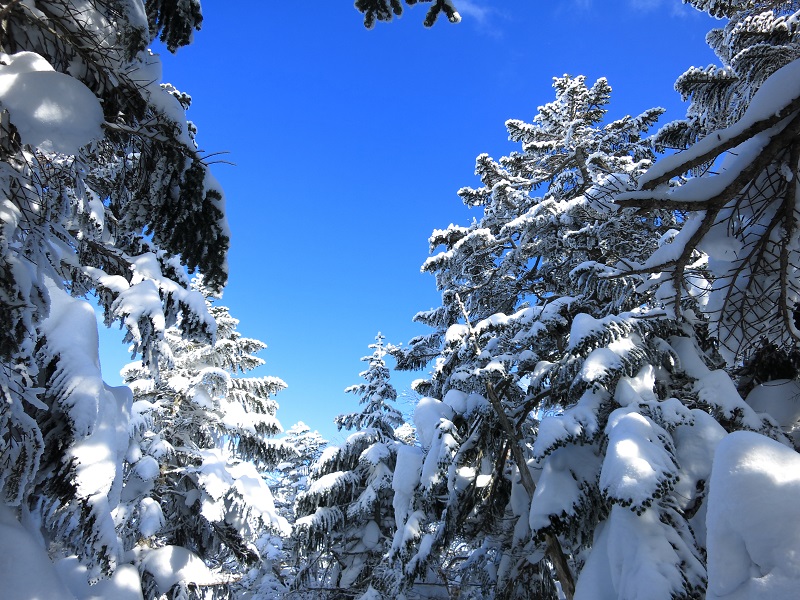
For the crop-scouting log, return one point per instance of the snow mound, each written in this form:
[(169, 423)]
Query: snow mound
[(780, 399), (753, 519), (51, 111), (25, 569), (124, 584)]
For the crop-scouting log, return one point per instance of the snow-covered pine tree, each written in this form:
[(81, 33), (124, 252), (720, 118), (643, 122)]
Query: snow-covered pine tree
[(549, 353), (290, 479), (291, 476), (201, 439), (738, 246), (345, 520), (100, 193), (522, 274), (734, 261)]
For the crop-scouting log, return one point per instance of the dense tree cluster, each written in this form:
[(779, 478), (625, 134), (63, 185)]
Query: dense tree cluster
[(611, 370)]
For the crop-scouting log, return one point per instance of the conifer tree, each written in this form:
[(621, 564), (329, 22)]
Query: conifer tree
[(551, 353), (287, 482), (737, 248), (103, 193), (345, 519), (202, 439), (291, 476)]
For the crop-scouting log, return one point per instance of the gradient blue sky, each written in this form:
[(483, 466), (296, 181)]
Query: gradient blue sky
[(350, 145)]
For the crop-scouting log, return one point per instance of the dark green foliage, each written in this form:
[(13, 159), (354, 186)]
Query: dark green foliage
[(386, 10), (175, 20)]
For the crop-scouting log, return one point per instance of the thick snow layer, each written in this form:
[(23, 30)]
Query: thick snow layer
[(636, 462), (25, 569), (427, 415), (714, 387), (151, 517), (51, 111), (695, 445), (558, 488), (124, 584), (753, 519), (99, 413), (780, 399), (172, 564), (404, 482), (217, 475), (633, 556)]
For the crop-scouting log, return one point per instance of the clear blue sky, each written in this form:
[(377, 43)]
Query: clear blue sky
[(350, 146)]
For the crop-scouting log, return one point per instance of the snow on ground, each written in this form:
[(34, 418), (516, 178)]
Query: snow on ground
[(753, 519), (124, 584), (25, 569)]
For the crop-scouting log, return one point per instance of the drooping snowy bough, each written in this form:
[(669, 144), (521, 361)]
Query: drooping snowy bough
[(102, 192)]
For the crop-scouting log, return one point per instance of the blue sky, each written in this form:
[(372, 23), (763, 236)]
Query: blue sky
[(350, 145)]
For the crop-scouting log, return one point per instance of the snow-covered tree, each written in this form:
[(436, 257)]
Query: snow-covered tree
[(201, 439), (512, 285), (286, 482), (291, 476), (345, 520), (738, 246), (736, 256), (102, 191), (554, 354)]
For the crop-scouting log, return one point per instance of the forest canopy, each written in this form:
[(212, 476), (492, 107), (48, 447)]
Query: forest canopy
[(607, 402)]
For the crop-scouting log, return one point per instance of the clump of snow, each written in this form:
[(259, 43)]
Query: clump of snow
[(51, 111), (634, 556), (98, 413), (124, 584), (172, 564), (714, 387), (427, 415), (753, 519), (636, 464), (151, 517), (780, 399), (404, 481), (25, 569)]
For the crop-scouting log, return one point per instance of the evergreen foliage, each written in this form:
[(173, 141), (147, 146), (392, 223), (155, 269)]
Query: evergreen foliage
[(344, 519), (513, 286), (553, 349), (600, 324), (200, 441), (740, 217), (387, 10), (104, 194)]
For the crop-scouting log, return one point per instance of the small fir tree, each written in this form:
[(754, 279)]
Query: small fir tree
[(345, 519), (201, 440)]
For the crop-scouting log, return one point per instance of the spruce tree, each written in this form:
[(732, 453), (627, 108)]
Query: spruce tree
[(202, 439), (344, 519)]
